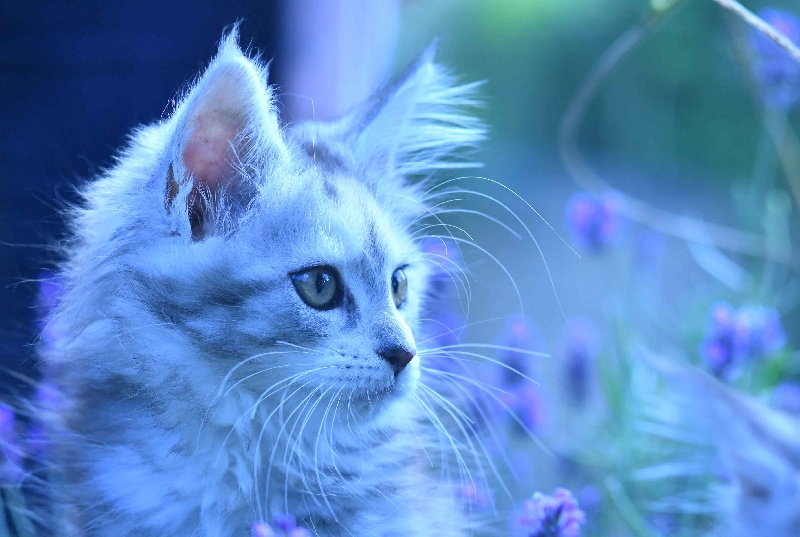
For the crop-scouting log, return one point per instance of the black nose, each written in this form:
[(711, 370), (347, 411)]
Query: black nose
[(398, 357)]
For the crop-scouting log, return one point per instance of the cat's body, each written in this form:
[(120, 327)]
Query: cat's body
[(236, 339)]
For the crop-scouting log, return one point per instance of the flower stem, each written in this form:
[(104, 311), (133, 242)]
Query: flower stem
[(627, 510), (758, 23)]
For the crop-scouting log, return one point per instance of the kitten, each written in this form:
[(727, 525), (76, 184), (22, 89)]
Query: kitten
[(759, 451), (238, 335)]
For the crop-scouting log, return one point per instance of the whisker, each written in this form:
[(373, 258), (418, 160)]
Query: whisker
[(451, 409), (453, 355), (488, 217), (441, 224), (458, 273), (463, 327), (530, 234), (487, 422), (227, 377), (257, 458), (496, 261), (462, 465)]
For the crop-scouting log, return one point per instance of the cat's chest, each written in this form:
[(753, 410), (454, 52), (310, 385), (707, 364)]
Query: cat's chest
[(256, 466)]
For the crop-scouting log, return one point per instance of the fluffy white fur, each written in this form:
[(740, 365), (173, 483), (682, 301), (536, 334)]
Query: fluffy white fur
[(198, 393)]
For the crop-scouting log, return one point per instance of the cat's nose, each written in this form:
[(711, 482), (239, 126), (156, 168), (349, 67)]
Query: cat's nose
[(398, 357)]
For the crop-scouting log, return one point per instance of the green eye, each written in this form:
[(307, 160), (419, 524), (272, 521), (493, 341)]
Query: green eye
[(318, 287), (399, 287)]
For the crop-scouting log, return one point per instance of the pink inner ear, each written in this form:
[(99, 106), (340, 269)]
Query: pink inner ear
[(208, 154)]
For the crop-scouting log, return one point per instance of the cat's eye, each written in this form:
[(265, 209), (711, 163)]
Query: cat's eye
[(319, 287), (399, 287)]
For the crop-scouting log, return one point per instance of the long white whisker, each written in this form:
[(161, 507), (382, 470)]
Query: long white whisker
[(486, 420), (530, 234), (463, 467), (453, 355), (488, 217), (496, 261), (457, 416), (257, 459)]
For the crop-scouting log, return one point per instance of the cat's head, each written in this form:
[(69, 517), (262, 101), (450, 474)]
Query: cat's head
[(269, 258)]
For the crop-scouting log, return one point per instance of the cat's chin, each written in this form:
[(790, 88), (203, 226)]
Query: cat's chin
[(405, 382), (373, 402)]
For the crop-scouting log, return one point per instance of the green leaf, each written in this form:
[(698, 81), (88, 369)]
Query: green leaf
[(661, 6)]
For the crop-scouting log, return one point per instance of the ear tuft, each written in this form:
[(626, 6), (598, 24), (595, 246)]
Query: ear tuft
[(226, 125), (421, 123)]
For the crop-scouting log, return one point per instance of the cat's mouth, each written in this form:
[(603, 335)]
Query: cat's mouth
[(391, 387), (399, 384)]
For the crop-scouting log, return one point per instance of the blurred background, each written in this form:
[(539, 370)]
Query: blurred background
[(664, 208)]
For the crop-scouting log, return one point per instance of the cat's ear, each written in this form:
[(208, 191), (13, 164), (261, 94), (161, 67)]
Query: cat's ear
[(224, 127), (413, 127), (417, 125)]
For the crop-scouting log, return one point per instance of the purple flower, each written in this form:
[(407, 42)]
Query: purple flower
[(552, 516), (593, 222), (444, 257), (446, 329), (444, 323), (735, 336), (520, 333), (476, 497), (759, 331), (527, 403), (520, 395), (718, 348), (262, 529), (775, 70), (786, 396), (282, 524), (288, 524), (581, 339)]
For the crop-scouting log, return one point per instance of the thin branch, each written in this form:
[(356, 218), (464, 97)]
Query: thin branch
[(763, 27), (783, 136), (785, 139), (679, 226)]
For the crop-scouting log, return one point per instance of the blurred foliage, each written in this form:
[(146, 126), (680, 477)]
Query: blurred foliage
[(678, 123), (679, 103)]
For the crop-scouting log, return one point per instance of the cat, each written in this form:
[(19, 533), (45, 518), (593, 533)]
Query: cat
[(758, 448), (240, 330)]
